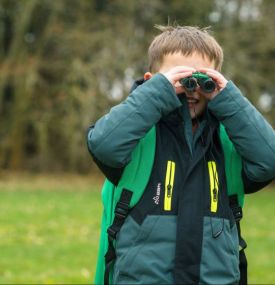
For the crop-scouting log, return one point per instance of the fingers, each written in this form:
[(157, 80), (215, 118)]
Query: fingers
[(216, 76), (177, 73), (179, 76), (180, 89), (181, 68)]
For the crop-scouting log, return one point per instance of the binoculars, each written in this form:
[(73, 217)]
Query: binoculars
[(206, 83)]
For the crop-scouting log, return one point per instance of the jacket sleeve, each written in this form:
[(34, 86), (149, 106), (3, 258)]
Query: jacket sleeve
[(114, 136), (251, 134)]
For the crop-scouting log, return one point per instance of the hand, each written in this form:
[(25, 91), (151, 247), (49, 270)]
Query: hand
[(175, 74), (218, 78)]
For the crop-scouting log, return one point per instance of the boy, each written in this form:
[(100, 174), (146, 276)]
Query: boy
[(182, 230)]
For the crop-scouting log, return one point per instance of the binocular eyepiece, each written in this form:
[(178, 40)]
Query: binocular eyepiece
[(206, 83)]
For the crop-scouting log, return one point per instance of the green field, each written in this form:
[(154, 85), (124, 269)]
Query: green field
[(49, 228)]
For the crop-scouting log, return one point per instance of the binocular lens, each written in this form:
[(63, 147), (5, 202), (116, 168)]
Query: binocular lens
[(208, 86), (189, 83)]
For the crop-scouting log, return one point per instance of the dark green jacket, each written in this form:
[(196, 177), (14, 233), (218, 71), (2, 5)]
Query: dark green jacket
[(177, 251)]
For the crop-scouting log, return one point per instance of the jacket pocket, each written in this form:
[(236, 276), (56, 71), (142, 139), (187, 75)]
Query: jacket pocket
[(149, 258), (220, 253)]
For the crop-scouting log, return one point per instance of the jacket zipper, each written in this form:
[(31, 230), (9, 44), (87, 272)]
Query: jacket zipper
[(214, 185), (169, 184)]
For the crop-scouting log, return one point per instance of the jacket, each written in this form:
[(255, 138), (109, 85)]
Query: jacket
[(182, 238)]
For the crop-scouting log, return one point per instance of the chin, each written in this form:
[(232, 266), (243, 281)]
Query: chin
[(195, 114)]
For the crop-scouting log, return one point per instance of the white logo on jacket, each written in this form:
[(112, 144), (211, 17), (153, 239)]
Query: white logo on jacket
[(156, 198)]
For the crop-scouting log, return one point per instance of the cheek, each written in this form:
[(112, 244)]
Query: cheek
[(201, 106), (203, 101)]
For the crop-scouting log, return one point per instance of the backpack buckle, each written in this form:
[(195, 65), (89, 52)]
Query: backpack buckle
[(112, 232), (238, 213), (121, 210), (235, 207)]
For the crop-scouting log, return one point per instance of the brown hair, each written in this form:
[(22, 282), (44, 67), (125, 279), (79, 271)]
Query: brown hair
[(184, 39)]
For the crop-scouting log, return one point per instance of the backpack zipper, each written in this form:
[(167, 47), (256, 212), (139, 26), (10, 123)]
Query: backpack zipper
[(214, 185), (169, 184)]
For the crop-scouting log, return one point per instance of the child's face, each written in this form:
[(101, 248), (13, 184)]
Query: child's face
[(196, 101)]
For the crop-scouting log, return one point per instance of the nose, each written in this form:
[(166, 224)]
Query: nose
[(192, 94)]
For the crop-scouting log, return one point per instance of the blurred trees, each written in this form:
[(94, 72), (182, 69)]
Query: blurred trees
[(64, 63)]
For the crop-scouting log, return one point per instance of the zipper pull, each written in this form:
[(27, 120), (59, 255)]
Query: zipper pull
[(215, 194), (214, 186), (169, 184), (169, 191)]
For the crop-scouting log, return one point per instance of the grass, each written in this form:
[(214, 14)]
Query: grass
[(258, 228), (49, 229)]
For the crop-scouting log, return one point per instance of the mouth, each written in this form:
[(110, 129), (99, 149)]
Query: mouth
[(192, 101)]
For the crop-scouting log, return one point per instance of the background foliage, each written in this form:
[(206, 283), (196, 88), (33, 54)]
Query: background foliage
[(65, 63)]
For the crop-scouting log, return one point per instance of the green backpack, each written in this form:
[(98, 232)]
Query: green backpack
[(136, 176)]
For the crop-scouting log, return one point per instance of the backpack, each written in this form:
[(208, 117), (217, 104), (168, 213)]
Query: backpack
[(118, 200)]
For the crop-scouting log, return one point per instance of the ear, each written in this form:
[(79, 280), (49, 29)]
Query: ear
[(147, 75)]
